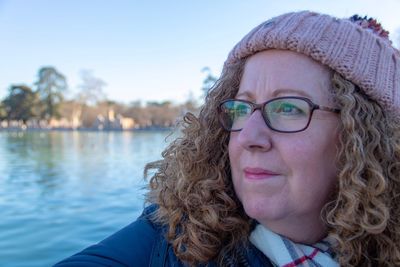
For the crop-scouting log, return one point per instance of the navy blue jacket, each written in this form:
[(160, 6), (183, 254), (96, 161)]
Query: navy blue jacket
[(142, 244)]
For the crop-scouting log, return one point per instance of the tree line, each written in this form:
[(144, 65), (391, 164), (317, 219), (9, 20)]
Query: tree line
[(45, 103)]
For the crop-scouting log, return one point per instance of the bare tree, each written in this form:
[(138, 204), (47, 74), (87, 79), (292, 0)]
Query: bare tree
[(208, 81), (91, 88)]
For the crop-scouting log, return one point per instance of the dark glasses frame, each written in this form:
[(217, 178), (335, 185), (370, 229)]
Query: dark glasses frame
[(262, 106)]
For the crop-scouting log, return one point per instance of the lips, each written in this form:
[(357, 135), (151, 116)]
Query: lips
[(258, 173)]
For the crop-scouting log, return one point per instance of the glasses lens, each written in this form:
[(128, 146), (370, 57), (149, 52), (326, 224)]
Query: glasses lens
[(233, 114), (287, 114)]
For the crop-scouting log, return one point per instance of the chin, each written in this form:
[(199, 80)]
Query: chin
[(262, 211)]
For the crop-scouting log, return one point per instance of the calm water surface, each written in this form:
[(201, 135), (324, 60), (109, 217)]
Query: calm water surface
[(62, 191)]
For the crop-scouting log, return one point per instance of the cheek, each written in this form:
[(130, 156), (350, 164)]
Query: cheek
[(311, 155), (318, 147), (316, 163)]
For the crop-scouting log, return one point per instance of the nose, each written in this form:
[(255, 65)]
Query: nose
[(255, 134)]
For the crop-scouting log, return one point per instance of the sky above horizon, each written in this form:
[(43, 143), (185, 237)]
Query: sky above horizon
[(145, 50)]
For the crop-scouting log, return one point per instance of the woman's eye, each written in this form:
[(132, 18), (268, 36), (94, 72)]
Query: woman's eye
[(288, 109), (241, 110)]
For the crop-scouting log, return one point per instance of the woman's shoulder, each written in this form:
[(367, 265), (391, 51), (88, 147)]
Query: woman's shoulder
[(131, 246)]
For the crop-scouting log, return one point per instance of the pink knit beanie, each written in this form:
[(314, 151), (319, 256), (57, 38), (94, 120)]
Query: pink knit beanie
[(359, 54)]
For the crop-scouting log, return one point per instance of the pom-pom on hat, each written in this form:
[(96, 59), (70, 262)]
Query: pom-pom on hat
[(356, 48)]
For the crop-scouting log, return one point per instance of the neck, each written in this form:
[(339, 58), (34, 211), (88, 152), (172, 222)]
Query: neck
[(309, 232)]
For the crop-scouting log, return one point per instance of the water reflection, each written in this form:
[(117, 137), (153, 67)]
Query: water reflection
[(60, 191), (33, 158)]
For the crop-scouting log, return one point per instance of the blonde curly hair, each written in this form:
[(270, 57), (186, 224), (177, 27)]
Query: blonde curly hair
[(365, 216), (193, 189)]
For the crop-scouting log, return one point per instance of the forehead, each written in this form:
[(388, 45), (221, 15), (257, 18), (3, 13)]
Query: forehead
[(274, 72)]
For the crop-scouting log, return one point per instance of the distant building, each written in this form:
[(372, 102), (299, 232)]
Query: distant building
[(113, 122)]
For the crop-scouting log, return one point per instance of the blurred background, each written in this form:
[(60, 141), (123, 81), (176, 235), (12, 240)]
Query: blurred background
[(90, 92)]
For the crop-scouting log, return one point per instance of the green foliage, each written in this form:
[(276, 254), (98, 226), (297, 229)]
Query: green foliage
[(50, 86), (21, 103), (46, 101), (3, 112), (158, 104)]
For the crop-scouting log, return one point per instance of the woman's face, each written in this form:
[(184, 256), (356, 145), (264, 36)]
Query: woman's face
[(284, 179)]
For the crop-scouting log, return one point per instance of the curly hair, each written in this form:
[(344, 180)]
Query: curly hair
[(192, 184), (364, 218), (193, 189)]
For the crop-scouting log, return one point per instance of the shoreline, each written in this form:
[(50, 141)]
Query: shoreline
[(144, 129)]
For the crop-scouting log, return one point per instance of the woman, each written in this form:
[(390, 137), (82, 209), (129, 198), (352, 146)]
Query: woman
[(293, 160)]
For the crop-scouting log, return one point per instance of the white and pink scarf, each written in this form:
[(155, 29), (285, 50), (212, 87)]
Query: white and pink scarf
[(284, 253)]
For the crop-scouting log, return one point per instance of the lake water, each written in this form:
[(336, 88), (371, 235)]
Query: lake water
[(62, 191)]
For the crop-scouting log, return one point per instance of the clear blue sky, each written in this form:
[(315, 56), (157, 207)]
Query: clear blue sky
[(147, 50)]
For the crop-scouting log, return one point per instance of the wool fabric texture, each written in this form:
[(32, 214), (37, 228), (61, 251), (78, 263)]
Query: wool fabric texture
[(285, 253), (356, 53)]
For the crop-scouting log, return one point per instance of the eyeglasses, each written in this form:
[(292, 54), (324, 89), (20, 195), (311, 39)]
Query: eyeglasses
[(289, 114)]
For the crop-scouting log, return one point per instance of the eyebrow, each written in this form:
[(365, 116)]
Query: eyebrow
[(246, 94), (291, 91), (277, 92)]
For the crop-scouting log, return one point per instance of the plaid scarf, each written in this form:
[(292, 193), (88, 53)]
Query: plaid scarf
[(285, 253)]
